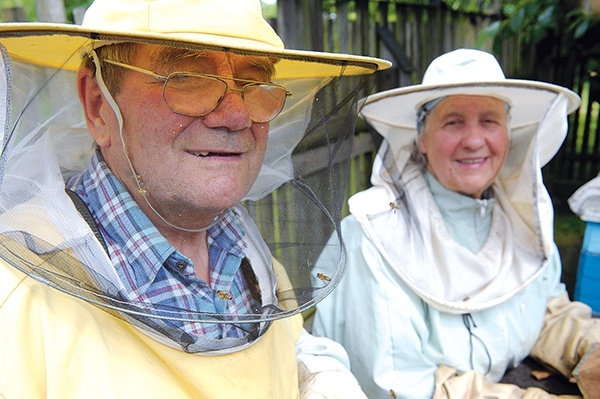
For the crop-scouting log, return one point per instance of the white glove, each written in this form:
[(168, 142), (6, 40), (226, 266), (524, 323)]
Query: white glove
[(328, 384)]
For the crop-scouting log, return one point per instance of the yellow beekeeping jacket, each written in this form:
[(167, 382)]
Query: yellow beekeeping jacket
[(55, 346)]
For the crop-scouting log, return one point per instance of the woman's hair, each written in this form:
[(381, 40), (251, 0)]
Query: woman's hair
[(416, 156)]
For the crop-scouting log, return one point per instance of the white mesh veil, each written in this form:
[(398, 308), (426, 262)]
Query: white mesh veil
[(288, 216), (537, 127)]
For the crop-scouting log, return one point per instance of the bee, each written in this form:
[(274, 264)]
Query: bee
[(142, 188), (392, 394), (323, 277), (224, 295), (393, 206)]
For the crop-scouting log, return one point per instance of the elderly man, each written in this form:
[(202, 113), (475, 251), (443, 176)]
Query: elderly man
[(129, 267)]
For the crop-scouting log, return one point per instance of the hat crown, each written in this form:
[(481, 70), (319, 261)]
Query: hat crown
[(240, 19), (463, 66)]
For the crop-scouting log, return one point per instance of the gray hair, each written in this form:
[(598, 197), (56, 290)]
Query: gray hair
[(424, 110)]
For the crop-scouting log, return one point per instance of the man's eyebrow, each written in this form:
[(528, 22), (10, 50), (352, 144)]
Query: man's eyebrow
[(264, 65), (167, 55), (254, 64)]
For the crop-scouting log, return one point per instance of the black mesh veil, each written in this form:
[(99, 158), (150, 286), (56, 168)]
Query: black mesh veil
[(288, 217)]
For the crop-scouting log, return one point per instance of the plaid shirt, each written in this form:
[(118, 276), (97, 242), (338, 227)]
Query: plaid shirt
[(153, 271)]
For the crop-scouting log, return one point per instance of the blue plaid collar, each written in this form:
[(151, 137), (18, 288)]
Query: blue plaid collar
[(136, 247)]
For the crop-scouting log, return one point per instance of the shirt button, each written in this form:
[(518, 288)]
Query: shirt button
[(181, 265)]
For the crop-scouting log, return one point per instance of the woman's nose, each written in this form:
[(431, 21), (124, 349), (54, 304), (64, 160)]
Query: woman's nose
[(473, 136)]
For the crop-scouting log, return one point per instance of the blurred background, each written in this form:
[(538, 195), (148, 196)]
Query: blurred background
[(554, 41)]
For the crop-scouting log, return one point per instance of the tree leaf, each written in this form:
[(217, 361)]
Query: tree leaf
[(491, 30), (582, 28), (539, 32), (516, 22), (547, 18)]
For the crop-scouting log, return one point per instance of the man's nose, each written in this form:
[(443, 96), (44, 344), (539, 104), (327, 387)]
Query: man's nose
[(231, 113)]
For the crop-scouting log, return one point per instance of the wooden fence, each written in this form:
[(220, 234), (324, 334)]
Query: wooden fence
[(411, 35)]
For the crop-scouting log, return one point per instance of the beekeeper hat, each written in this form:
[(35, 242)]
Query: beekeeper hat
[(467, 72), (232, 25)]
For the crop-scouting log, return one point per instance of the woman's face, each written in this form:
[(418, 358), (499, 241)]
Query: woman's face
[(466, 142)]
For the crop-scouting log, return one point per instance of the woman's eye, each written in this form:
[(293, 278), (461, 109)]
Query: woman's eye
[(490, 122), (453, 123)]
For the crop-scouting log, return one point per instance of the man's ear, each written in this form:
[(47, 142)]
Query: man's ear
[(94, 104)]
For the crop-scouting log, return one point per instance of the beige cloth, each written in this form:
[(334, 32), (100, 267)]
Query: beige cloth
[(449, 385), (53, 345), (568, 335)]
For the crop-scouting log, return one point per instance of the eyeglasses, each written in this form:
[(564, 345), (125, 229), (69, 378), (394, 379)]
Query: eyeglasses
[(197, 94)]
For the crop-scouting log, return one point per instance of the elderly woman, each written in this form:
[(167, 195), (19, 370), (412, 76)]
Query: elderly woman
[(453, 276)]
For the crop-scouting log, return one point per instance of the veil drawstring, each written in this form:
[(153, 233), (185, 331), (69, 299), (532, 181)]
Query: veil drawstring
[(470, 324)]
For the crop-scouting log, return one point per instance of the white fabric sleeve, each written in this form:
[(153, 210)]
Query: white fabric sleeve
[(585, 202), (324, 369), (385, 351)]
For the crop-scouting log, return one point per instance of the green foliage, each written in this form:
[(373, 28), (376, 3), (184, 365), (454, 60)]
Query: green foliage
[(28, 5), (472, 5), (269, 8), (72, 4), (534, 20)]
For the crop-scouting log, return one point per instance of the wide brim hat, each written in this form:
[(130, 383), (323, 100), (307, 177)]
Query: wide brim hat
[(232, 25), (290, 214), (467, 72)]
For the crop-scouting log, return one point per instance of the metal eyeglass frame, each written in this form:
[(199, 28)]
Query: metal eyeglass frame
[(165, 79)]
